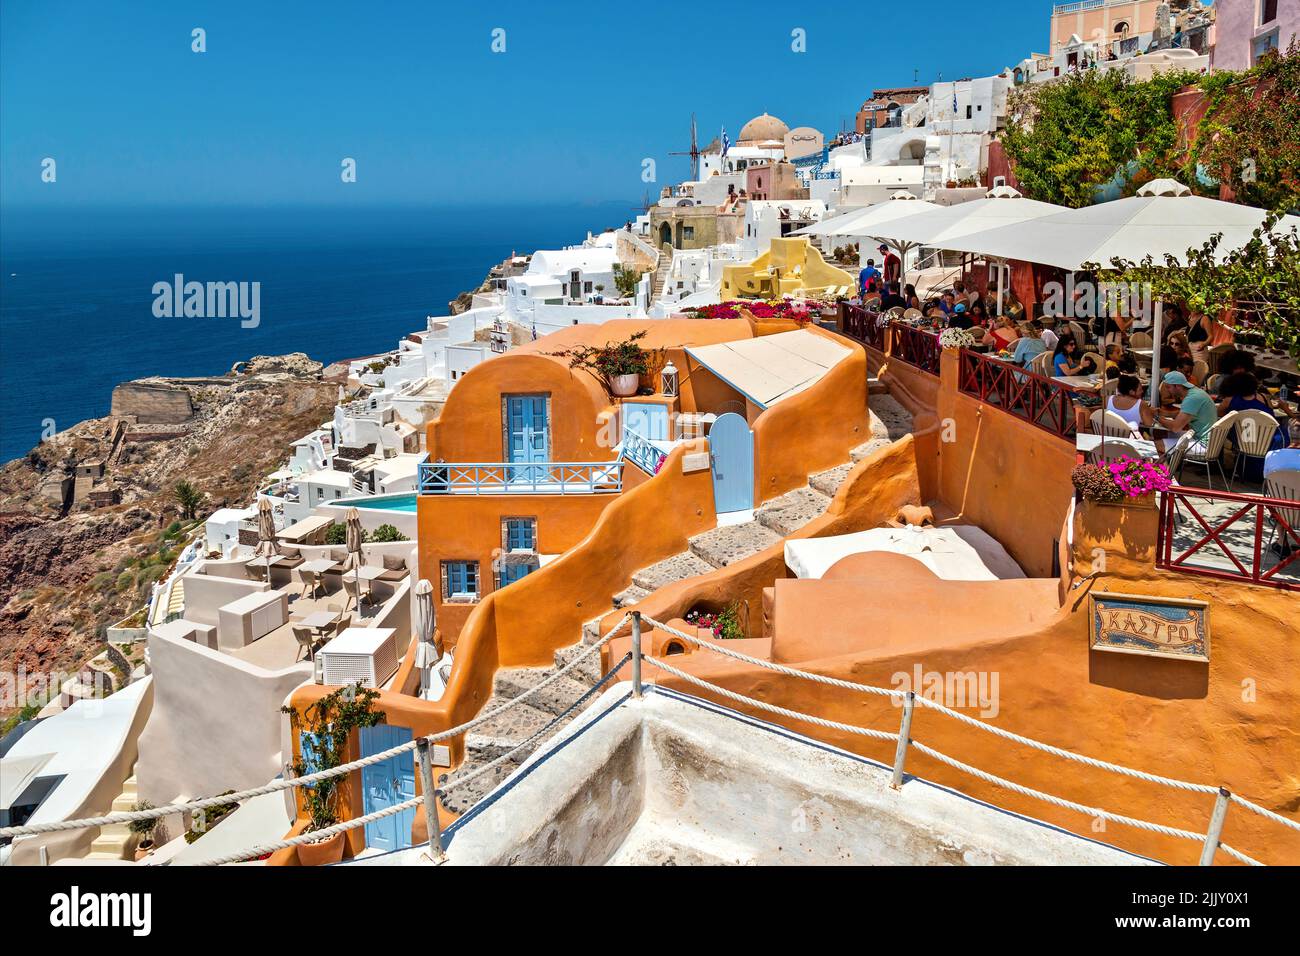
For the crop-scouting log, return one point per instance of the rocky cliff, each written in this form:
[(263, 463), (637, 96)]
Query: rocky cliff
[(87, 518)]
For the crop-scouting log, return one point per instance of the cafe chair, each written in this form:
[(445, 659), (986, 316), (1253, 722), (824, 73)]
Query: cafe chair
[(1209, 453), (1253, 436)]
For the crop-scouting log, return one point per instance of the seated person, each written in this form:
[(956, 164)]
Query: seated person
[(1068, 360), (979, 313), (1183, 367), (1234, 361), (1243, 394), (868, 279), (947, 303), (1030, 345), (892, 299), (1196, 410), (960, 318), (1000, 334), (1127, 403), (913, 301), (1114, 355)]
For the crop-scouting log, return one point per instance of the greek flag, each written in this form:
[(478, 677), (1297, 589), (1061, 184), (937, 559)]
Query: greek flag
[(726, 143)]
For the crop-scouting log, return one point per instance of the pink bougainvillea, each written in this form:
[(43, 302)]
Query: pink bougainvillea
[(1136, 477), (759, 309)]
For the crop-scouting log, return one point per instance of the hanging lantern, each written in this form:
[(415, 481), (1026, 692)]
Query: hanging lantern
[(668, 380)]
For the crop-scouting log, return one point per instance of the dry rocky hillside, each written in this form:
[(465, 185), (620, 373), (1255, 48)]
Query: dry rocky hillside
[(88, 520)]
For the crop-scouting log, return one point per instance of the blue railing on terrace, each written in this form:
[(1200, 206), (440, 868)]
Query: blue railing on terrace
[(534, 477), (641, 453)]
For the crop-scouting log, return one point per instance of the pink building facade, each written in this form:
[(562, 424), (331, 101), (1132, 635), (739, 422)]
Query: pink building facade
[(1245, 30)]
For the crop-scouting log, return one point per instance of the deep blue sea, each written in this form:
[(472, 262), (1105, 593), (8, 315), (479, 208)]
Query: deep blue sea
[(76, 300)]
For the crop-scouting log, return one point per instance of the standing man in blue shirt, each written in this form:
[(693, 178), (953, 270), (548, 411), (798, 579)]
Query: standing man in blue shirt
[(868, 279)]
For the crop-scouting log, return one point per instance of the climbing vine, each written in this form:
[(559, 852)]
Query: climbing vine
[(1068, 137)]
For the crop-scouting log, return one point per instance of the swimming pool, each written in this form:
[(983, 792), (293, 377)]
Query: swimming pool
[(404, 503)]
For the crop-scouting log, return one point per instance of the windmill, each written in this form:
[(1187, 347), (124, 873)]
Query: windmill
[(694, 153)]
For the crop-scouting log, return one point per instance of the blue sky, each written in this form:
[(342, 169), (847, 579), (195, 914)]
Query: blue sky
[(413, 92)]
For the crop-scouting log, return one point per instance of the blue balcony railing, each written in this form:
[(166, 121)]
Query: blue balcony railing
[(641, 453), (534, 477)]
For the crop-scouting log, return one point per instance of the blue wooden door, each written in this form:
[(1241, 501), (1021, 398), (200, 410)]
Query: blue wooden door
[(731, 451), (386, 783), (647, 420), (527, 434)]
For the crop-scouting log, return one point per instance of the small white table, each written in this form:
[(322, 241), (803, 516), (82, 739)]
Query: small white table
[(319, 620), (1087, 442), (318, 565), (367, 572)]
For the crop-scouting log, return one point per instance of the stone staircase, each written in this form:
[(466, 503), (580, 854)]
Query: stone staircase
[(115, 838), (662, 270), (706, 552)]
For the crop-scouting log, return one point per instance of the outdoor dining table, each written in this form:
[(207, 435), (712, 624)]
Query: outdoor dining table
[(367, 572), (320, 620), (1079, 383), (1087, 442)]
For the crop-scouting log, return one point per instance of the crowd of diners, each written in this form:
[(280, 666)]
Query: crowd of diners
[(1191, 395)]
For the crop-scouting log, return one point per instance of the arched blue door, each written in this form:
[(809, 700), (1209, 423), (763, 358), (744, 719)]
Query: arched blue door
[(731, 450)]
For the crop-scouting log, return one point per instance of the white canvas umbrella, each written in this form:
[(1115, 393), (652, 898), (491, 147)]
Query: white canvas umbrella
[(427, 652), (354, 536), (265, 534), (877, 222), (1163, 220), (1001, 206)]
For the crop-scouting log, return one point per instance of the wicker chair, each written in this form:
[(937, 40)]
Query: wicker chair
[(1113, 448), (1253, 435), (306, 638), (1111, 424), (1286, 486), (1211, 451)]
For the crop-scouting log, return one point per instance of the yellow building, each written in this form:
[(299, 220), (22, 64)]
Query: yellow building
[(788, 266)]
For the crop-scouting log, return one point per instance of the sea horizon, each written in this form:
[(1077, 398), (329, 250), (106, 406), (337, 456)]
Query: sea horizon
[(336, 282)]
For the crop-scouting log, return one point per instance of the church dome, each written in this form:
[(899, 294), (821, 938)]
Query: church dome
[(763, 129)]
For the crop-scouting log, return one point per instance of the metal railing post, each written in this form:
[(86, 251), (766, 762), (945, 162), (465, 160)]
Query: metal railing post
[(430, 801), (636, 653), (904, 733), (1216, 827)]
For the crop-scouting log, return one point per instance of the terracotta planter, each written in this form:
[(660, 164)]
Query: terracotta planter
[(322, 853), (1146, 502), (624, 385), (144, 848)]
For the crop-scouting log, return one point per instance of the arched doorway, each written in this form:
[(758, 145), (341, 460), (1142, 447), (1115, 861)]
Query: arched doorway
[(665, 235)]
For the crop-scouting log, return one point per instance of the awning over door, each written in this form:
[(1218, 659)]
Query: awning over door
[(770, 368)]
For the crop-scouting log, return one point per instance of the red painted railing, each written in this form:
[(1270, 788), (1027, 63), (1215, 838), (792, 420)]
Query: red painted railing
[(863, 326), (1038, 400), (1230, 536), (915, 347)]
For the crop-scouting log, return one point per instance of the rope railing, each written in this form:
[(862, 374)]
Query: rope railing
[(1211, 841), (307, 780)]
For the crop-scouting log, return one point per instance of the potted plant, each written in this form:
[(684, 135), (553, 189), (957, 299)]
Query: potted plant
[(1126, 481), (143, 830), (956, 339), (722, 625), (619, 364), (324, 729)]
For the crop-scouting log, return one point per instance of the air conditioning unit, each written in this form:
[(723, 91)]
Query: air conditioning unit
[(365, 654)]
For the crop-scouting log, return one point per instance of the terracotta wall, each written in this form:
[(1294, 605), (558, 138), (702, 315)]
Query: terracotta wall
[(1002, 473), (813, 430), (468, 527)]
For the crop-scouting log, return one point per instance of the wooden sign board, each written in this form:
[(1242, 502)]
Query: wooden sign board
[(1153, 626)]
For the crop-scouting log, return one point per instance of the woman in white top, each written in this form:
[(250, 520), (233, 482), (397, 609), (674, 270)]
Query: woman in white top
[(1127, 402)]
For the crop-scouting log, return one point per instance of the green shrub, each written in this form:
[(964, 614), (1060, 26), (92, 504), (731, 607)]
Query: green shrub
[(386, 533)]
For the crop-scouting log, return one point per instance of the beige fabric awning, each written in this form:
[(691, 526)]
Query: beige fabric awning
[(772, 367), (301, 529)]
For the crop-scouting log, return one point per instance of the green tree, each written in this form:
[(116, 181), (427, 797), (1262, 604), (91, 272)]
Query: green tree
[(1257, 287), (188, 497)]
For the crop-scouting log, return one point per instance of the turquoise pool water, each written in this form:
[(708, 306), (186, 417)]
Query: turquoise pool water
[(384, 503)]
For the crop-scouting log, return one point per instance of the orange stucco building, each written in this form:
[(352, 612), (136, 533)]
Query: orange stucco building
[(1229, 721)]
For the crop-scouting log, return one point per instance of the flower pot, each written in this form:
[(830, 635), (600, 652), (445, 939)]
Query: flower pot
[(624, 385), (143, 849), (322, 852)]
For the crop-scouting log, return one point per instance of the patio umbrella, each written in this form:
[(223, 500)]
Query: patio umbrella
[(265, 532), (427, 652), (1001, 206), (354, 535), (1163, 220), (880, 220)]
